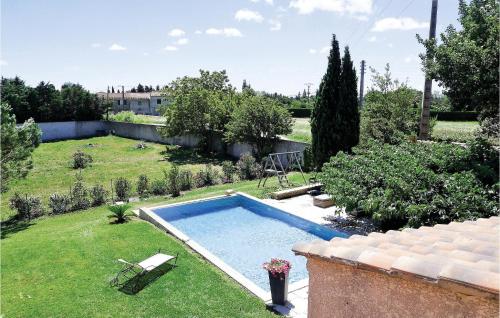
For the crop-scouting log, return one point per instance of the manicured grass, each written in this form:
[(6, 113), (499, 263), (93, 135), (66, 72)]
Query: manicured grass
[(460, 131), (60, 267), (301, 130), (113, 157)]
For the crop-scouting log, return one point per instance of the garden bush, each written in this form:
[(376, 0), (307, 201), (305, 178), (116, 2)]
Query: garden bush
[(308, 162), (247, 167), (79, 195), (414, 184), (207, 176), (27, 207), (122, 189), (228, 170), (172, 176), (59, 203), (143, 186), (98, 195), (159, 187), (81, 160), (186, 180)]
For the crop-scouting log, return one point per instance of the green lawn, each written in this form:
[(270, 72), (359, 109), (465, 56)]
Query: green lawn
[(301, 130), (460, 131), (60, 267), (113, 157)]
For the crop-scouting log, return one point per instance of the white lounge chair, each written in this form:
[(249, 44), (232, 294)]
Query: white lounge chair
[(131, 270)]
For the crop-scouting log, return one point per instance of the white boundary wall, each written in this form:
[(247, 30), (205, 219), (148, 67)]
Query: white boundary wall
[(147, 132)]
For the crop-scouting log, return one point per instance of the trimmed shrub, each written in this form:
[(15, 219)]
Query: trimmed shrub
[(143, 186), (98, 195), (122, 189), (228, 170), (59, 203), (308, 162), (247, 167), (414, 184), (159, 187), (207, 176), (79, 195), (173, 181), (81, 160), (186, 180), (27, 207)]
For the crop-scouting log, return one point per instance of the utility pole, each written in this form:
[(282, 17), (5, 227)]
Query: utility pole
[(308, 91), (362, 84), (427, 98)]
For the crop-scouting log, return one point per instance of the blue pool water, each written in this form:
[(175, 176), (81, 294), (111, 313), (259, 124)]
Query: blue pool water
[(245, 233)]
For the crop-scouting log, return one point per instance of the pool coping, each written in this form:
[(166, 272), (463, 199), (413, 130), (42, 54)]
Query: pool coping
[(147, 214)]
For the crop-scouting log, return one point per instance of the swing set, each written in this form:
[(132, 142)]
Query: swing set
[(279, 164)]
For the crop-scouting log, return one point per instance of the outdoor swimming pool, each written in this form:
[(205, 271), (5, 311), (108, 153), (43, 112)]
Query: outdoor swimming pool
[(244, 233)]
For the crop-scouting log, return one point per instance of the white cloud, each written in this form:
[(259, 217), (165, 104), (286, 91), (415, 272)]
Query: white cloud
[(198, 32), (117, 47), (398, 24), (170, 48), (3, 63), (95, 45), (339, 6), (361, 17), (390, 45), (372, 38), (145, 54), (275, 25), (312, 51), (325, 49), (411, 59), (176, 33), (248, 15), (228, 32), (269, 2), (182, 41)]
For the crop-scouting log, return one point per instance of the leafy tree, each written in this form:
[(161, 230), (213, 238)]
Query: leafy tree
[(15, 93), (80, 104), (200, 106), (391, 110), (335, 118), (258, 121), (133, 90), (112, 89), (17, 144), (140, 88), (466, 61), (46, 103), (157, 87)]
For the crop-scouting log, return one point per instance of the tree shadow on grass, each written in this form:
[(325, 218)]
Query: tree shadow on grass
[(137, 283), (12, 226), (183, 156)]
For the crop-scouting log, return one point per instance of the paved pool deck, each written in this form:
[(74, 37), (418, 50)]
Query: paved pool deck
[(303, 207)]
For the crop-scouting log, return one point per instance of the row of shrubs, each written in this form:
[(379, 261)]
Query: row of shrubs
[(174, 180), (415, 184)]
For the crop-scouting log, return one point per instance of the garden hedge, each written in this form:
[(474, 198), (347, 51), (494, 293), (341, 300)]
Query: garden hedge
[(455, 116), (300, 112)]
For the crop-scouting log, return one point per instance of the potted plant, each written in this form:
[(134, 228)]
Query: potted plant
[(278, 270)]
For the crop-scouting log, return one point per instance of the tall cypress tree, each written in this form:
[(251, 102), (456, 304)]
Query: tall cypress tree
[(324, 117), (349, 111)]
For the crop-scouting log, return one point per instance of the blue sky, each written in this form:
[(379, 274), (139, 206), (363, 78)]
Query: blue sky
[(277, 45)]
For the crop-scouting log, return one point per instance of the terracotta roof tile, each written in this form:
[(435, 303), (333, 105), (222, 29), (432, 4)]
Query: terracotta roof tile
[(462, 256)]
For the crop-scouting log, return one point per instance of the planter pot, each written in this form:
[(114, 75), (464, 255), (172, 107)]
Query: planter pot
[(279, 288)]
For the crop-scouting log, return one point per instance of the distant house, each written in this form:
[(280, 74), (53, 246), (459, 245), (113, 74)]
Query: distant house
[(139, 103)]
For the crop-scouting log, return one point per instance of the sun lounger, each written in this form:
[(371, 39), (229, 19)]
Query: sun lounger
[(131, 270)]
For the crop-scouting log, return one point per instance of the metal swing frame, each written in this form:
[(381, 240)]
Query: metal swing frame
[(274, 167)]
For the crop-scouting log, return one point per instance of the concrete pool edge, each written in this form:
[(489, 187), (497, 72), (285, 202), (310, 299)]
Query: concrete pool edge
[(147, 214)]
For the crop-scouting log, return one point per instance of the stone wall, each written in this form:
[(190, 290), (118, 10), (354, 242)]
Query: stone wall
[(337, 290), (147, 132), (71, 129)]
